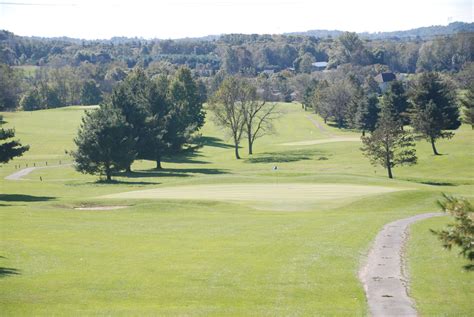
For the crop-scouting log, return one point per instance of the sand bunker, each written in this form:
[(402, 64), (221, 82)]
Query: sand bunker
[(321, 141), (284, 192)]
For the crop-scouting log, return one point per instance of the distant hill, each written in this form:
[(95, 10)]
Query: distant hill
[(422, 32)]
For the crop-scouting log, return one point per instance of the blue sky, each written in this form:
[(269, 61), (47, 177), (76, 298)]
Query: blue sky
[(190, 18)]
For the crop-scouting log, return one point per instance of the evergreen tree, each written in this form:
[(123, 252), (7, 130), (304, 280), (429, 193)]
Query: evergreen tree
[(467, 101), (358, 101), (159, 115), (188, 114), (434, 108), (388, 145), (9, 148), (461, 232), (104, 143), (90, 93), (367, 114), (131, 98), (397, 97)]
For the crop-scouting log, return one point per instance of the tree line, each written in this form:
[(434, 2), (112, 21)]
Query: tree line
[(49, 73), (429, 106)]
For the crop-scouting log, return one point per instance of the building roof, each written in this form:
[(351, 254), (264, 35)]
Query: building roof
[(385, 77), (320, 64)]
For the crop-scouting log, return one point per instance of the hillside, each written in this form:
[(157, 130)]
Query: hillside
[(426, 32)]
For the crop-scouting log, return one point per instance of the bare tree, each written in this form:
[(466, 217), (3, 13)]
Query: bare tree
[(238, 108), (226, 105), (258, 115)]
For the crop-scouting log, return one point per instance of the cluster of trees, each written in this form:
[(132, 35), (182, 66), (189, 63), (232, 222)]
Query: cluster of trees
[(64, 86), (428, 104), (430, 108), (146, 118)]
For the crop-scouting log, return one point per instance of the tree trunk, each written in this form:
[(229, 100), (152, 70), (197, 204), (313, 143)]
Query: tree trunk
[(237, 156), (363, 132), (389, 170), (129, 169), (158, 164), (434, 147), (250, 146), (108, 173)]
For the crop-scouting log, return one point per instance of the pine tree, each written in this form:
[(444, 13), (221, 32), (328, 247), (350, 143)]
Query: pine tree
[(467, 101), (434, 108), (367, 114), (104, 143), (9, 148), (186, 102), (388, 145), (398, 98)]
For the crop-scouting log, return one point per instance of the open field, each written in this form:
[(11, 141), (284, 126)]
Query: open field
[(225, 237)]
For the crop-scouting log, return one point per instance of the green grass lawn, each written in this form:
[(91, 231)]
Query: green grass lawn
[(208, 256), (440, 285)]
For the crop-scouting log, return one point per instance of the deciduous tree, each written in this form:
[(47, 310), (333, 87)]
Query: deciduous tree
[(228, 111), (258, 115)]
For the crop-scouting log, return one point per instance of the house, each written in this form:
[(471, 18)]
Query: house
[(268, 72), (319, 66), (383, 79)]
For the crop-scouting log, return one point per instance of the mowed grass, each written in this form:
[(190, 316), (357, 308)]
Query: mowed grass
[(206, 256), (441, 287)]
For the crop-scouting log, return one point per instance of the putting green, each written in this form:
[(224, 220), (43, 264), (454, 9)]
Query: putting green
[(322, 141), (267, 192)]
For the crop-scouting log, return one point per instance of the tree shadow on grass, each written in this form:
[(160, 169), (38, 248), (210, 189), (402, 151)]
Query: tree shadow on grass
[(8, 271), (436, 183), (24, 198), (214, 142), (469, 267), (121, 182), (172, 172), (288, 156), (191, 155)]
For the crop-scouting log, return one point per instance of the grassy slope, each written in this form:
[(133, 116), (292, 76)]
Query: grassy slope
[(205, 258)]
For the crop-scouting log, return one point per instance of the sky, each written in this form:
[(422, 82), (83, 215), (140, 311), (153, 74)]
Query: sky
[(95, 19)]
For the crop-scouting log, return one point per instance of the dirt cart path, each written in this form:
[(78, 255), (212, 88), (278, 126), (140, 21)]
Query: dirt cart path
[(383, 275)]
